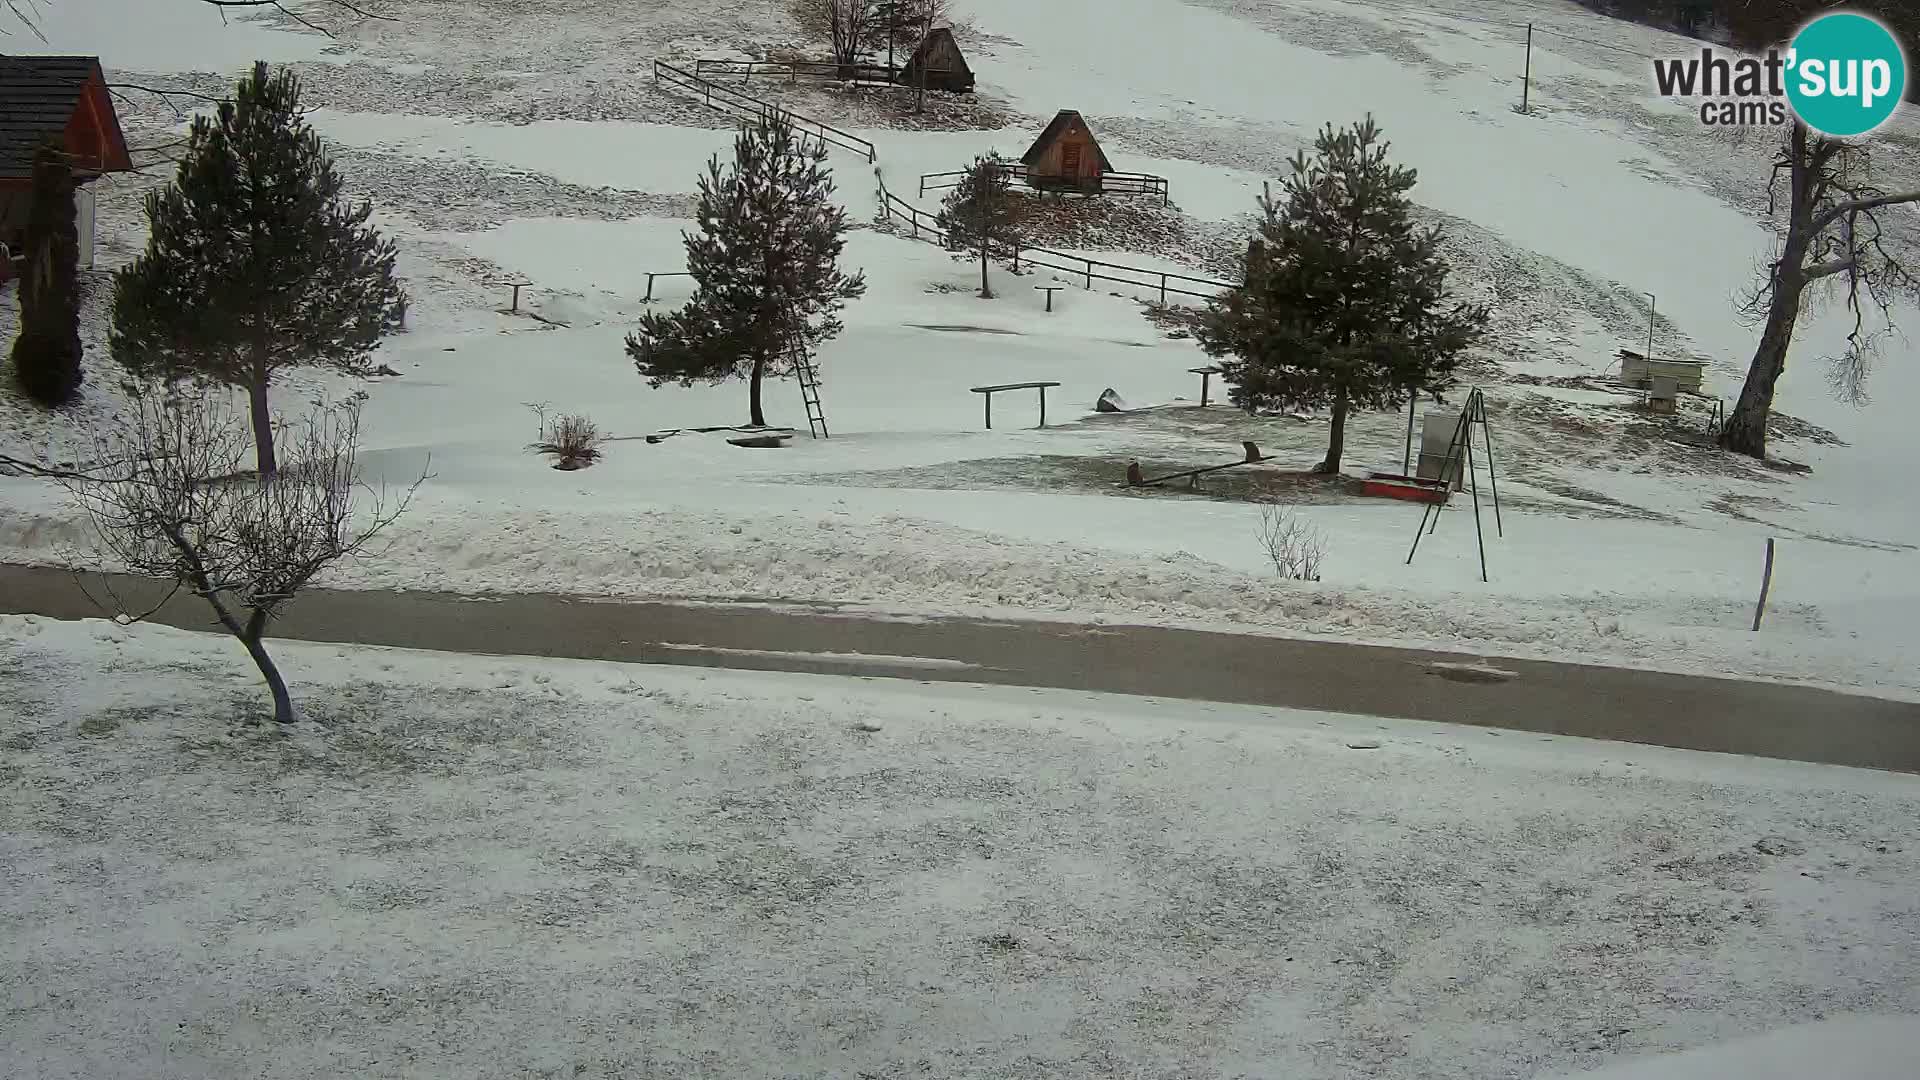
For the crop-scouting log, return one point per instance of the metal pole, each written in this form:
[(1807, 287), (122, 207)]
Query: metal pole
[(1526, 81), (1766, 583), (1486, 432), (1653, 302), (1406, 463), (1473, 482)]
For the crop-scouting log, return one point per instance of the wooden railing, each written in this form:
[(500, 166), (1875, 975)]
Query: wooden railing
[(1111, 183), (927, 227), (794, 70), (747, 107)]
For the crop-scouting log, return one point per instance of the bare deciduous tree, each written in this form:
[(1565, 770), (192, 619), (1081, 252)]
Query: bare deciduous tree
[(180, 509), (1293, 544), (1837, 232), (23, 10)]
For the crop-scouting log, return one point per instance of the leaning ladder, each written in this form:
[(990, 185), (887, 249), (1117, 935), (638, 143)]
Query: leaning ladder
[(810, 392)]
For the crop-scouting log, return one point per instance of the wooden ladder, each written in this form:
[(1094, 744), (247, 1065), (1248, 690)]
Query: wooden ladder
[(809, 376)]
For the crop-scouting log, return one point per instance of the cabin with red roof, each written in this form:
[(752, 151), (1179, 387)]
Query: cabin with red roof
[(63, 100)]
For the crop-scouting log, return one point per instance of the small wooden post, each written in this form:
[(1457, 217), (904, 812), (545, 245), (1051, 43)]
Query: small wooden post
[(989, 396), (1526, 80), (648, 299), (1206, 377), (1163, 299), (1766, 584), (1043, 406), (514, 308), (1089, 273), (1016, 268)]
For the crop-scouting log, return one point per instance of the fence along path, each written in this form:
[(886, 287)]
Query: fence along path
[(925, 226)]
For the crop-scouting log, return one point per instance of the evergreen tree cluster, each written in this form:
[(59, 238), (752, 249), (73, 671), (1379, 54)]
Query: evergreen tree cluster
[(764, 258), (1345, 304), (46, 354), (256, 261)]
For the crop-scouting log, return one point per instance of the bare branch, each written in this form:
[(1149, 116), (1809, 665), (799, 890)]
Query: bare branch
[(1831, 267), (1826, 218)]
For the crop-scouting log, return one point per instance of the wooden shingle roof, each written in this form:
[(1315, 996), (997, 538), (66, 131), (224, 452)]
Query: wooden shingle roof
[(38, 98), (1066, 119)]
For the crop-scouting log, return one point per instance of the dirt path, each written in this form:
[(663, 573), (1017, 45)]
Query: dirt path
[(1689, 712)]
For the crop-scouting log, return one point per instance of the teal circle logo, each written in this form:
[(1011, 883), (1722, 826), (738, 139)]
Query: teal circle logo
[(1847, 74)]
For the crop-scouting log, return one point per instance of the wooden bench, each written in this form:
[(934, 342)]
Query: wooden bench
[(1049, 290), (989, 391)]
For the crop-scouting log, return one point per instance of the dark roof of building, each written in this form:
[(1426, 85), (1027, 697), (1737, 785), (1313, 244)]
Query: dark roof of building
[(932, 41), (38, 95), (1061, 123)]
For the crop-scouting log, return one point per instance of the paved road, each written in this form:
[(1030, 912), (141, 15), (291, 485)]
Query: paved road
[(1690, 712)]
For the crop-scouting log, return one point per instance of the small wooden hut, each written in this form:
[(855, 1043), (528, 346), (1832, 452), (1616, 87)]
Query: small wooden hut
[(1066, 156), (939, 58)]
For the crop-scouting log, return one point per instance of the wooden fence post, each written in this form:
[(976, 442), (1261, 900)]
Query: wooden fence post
[(1766, 583), (1089, 275), (1526, 80), (1016, 263), (1163, 299), (648, 299)]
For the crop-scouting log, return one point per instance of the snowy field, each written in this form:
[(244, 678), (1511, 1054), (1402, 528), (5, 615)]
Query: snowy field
[(501, 143), (517, 867)]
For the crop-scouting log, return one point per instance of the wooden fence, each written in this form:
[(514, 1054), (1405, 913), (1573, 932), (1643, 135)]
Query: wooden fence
[(745, 106), (795, 70), (927, 227), (1112, 183)]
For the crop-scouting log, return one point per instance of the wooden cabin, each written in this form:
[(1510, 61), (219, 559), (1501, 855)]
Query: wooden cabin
[(62, 100), (939, 58), (1066, 156)]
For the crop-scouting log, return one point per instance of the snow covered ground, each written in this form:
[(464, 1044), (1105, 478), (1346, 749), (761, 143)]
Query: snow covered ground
[(505, 144), (519, 867)]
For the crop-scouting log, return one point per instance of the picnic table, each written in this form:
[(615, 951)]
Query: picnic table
[(987, 393)]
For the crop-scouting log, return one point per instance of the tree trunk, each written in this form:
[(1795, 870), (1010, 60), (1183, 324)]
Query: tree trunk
[(262, 424), (282, 701), (986, 293), (758, 418), (1337, 443), (1746, 428)]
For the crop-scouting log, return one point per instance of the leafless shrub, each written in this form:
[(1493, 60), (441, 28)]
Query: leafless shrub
[(178, 509), (572, 441), (1294, 545)]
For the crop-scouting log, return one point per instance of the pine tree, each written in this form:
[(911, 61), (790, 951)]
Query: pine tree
[(46, 354), (982, 210), (255, 263), (765, 264), (1346, 303)]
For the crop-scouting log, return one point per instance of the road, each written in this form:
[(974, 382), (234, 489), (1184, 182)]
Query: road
[(1688, 712)]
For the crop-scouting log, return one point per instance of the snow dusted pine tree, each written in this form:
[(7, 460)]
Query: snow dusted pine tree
[(765, 261), (46, 355), (982, 210), (255, 262), (1346, 303)]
